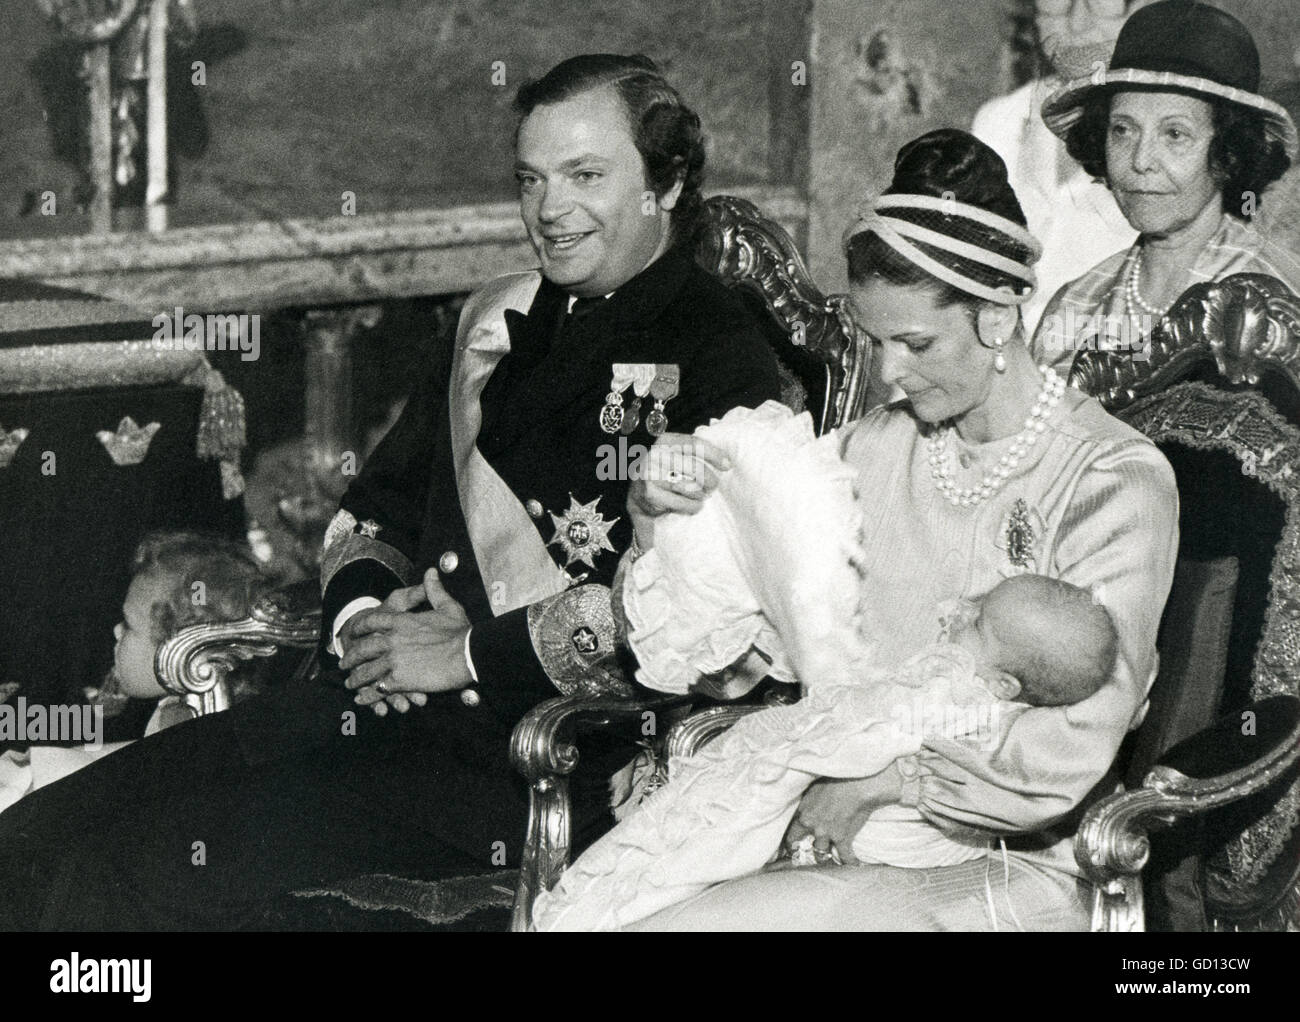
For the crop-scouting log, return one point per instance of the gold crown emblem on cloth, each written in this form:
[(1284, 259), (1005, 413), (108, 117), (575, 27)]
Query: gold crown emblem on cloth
[(10, 441), (130, 444)]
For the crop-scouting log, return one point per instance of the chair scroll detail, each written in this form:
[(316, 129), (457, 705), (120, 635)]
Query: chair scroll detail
[(1247, 323), (197, 660), (1112, 846), (747, 250), (543, 750)]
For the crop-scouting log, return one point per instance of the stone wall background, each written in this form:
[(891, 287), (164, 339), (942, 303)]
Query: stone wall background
[(393, 99), (939, 62), (390, 99)]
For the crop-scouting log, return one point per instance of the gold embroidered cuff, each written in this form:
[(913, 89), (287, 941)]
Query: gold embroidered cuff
[(573, 635), (344, 544)]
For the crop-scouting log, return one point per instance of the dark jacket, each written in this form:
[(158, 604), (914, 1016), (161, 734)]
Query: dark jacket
[(541, 433)]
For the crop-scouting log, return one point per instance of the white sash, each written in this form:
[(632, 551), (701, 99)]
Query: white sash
[(515, 566)]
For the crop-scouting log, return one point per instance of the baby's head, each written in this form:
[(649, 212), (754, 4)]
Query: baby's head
[(178, 579), (1039, 640)]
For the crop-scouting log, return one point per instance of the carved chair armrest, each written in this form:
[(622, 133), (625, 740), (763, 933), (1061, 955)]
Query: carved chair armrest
[(542, 749), (1112, 841), (195, 662), (689, 736)]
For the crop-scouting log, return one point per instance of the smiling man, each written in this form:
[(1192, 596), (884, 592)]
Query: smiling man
[(466, 576)]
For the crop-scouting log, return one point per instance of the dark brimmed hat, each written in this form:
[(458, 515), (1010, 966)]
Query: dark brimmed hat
[(1184, 46)]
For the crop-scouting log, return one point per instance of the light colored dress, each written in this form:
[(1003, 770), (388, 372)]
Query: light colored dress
[(1094, 504), (1093, 306), (726, 808)]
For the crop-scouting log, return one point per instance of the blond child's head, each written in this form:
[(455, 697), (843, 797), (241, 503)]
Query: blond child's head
[(178, 579)]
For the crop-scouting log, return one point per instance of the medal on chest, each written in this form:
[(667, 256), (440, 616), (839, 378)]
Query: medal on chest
[(663, 389), (611, 416), (647, 379), (582, 532)]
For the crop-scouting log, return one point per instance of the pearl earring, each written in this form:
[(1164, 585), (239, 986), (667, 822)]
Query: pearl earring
[(999, 360)]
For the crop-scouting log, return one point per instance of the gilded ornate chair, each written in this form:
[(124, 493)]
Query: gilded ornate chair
[(824, 366), (1208, 833), (1213, 810)]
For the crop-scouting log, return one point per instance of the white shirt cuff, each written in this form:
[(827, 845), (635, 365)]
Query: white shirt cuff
[(469, 660), (350, 610)]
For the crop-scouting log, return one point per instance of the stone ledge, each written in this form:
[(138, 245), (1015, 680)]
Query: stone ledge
[(335, 260)]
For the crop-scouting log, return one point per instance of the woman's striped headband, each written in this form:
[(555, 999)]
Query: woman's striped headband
[(896, 232)]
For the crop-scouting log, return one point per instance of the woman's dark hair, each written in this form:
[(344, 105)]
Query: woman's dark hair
[(1242, 156), (946, 164), (667, 132)]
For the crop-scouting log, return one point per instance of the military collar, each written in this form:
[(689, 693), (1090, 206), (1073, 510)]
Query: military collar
[(639, 299)]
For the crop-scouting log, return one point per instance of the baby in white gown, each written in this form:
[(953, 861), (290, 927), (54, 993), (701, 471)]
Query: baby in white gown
[(725, 810)]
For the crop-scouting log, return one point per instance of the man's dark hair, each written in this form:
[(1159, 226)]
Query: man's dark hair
[(667, 132), (1242, 156)]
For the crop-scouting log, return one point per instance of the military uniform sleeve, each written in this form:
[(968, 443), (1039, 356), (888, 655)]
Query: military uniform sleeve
[(370, 544), (1119, 540)]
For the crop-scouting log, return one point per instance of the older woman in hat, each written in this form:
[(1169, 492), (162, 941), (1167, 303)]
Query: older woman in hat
[(1177, 130), (991, 467)]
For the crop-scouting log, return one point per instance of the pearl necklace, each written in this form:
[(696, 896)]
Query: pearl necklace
[(1048, 398), (1133, 299)]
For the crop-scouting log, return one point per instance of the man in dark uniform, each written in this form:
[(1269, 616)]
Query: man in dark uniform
[(466, 576)]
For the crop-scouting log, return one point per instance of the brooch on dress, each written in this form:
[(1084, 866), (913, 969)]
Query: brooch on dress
[(1019, 537), (582, 532)]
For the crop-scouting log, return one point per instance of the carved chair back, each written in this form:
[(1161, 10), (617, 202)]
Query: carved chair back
[(824, 360), (1218, 389)]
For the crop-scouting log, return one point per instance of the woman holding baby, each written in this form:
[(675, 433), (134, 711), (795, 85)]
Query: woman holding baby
[(991, 468)]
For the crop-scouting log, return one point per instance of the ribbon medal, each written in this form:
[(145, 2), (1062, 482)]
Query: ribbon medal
[(643, 374), (663, 389), (611, 416)]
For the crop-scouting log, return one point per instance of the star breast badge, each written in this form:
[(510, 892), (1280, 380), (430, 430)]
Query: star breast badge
[(582, 532)]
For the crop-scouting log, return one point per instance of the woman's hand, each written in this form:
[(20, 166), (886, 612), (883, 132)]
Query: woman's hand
[(682, 471), (834, 811)]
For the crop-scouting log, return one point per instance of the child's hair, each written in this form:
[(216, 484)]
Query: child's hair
[(1068, 643), (211, 578)]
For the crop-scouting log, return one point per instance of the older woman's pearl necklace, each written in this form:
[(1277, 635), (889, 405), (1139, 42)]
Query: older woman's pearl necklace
[(1048, 398), (1133, 299)]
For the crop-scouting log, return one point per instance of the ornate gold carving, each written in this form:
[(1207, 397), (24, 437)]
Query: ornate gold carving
[(1245, 424), (1246, 323), (542, 749), (195, 662), (1112, 845), (695, 732), (745, 248)]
